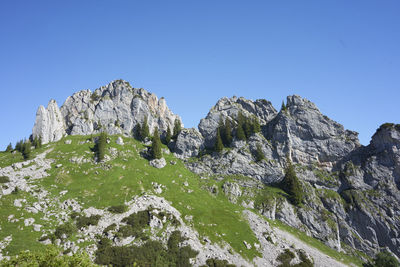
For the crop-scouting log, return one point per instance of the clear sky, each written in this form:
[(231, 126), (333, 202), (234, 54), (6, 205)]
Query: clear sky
[(342, 55)]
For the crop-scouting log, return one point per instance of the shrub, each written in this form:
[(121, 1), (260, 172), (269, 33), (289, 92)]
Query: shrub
[(67, 228), (138, 220), (4, 179), (385, 259), (50, 256), (118, 209), (83, 221), (218, 263), (285, 258)]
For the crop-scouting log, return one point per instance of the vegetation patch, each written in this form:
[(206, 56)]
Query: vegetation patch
[(118, 209), (152, 253), (83, 221), (4, 179)]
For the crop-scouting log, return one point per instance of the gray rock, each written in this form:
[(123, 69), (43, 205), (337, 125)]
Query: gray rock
[(49, 123), (158, 163), (188, 143), (119, 141)]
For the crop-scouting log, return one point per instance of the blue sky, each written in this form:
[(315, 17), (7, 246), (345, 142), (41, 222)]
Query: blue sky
[(342, 55)]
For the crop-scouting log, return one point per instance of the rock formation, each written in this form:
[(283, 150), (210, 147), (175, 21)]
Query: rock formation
[(49, 123), (116, 108)]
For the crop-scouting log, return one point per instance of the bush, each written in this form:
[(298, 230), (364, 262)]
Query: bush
[(218, 263), (152, 253), (83, 221), (4, 179), (51, 256), (68, 229), (138, 220), (118, 209), (385, 259)]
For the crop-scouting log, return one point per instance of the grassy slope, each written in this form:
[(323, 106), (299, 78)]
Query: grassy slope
[(129, 174)]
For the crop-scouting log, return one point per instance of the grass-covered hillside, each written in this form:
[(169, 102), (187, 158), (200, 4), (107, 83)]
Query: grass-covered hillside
[(81, 205)]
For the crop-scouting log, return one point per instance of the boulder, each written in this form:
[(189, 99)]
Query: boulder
[(158, 163)]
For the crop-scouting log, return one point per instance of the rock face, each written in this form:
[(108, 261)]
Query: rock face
[(116, 108), (308, 136), (228, 108), (49, 123), (188, 143)]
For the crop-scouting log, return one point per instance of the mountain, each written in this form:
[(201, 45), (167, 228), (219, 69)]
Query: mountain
[(287, 188)]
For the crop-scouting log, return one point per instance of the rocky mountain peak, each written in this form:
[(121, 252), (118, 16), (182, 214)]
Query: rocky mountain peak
[(115, 108), (387, 137)]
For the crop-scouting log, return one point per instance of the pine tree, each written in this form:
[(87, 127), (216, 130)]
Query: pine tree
[(283, 107), (247, 127), (259, 153), (256, 128), (101, 146), (18, 146), (221, 127), (218, 146), (168, 136), (9, 148), (240, 133), (26, 149), (156, 145), (37, 142), (138, 132), (144, 130), (291, 185), (177, 128), (228, 132)]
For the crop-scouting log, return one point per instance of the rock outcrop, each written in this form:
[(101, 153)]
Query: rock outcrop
[(49, 123), (116, 108)]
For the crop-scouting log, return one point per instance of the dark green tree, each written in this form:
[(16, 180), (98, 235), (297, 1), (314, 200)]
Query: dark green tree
[(240, 133), (247, 127), (256, 128), (283, 107), (19, 145), (292, 185), (138, 132), (37, 142), (168, 136), (259, 153), (26, 149), (9, 148), (144, 130), (227, 133), (218, 146), (101, 146), (156, 145), (177, 128)]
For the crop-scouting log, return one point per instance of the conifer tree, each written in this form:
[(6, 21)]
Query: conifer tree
[(291, 185), (259, 153), (144, 130), (247, 127), (240, 134), (256, 128), (177, 128), (9, 148), (138, 132), (228, 132), (26, 149), (168, 136), (156, 145), (283, 107), (18, 146), (101, 146), (218, 146)]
